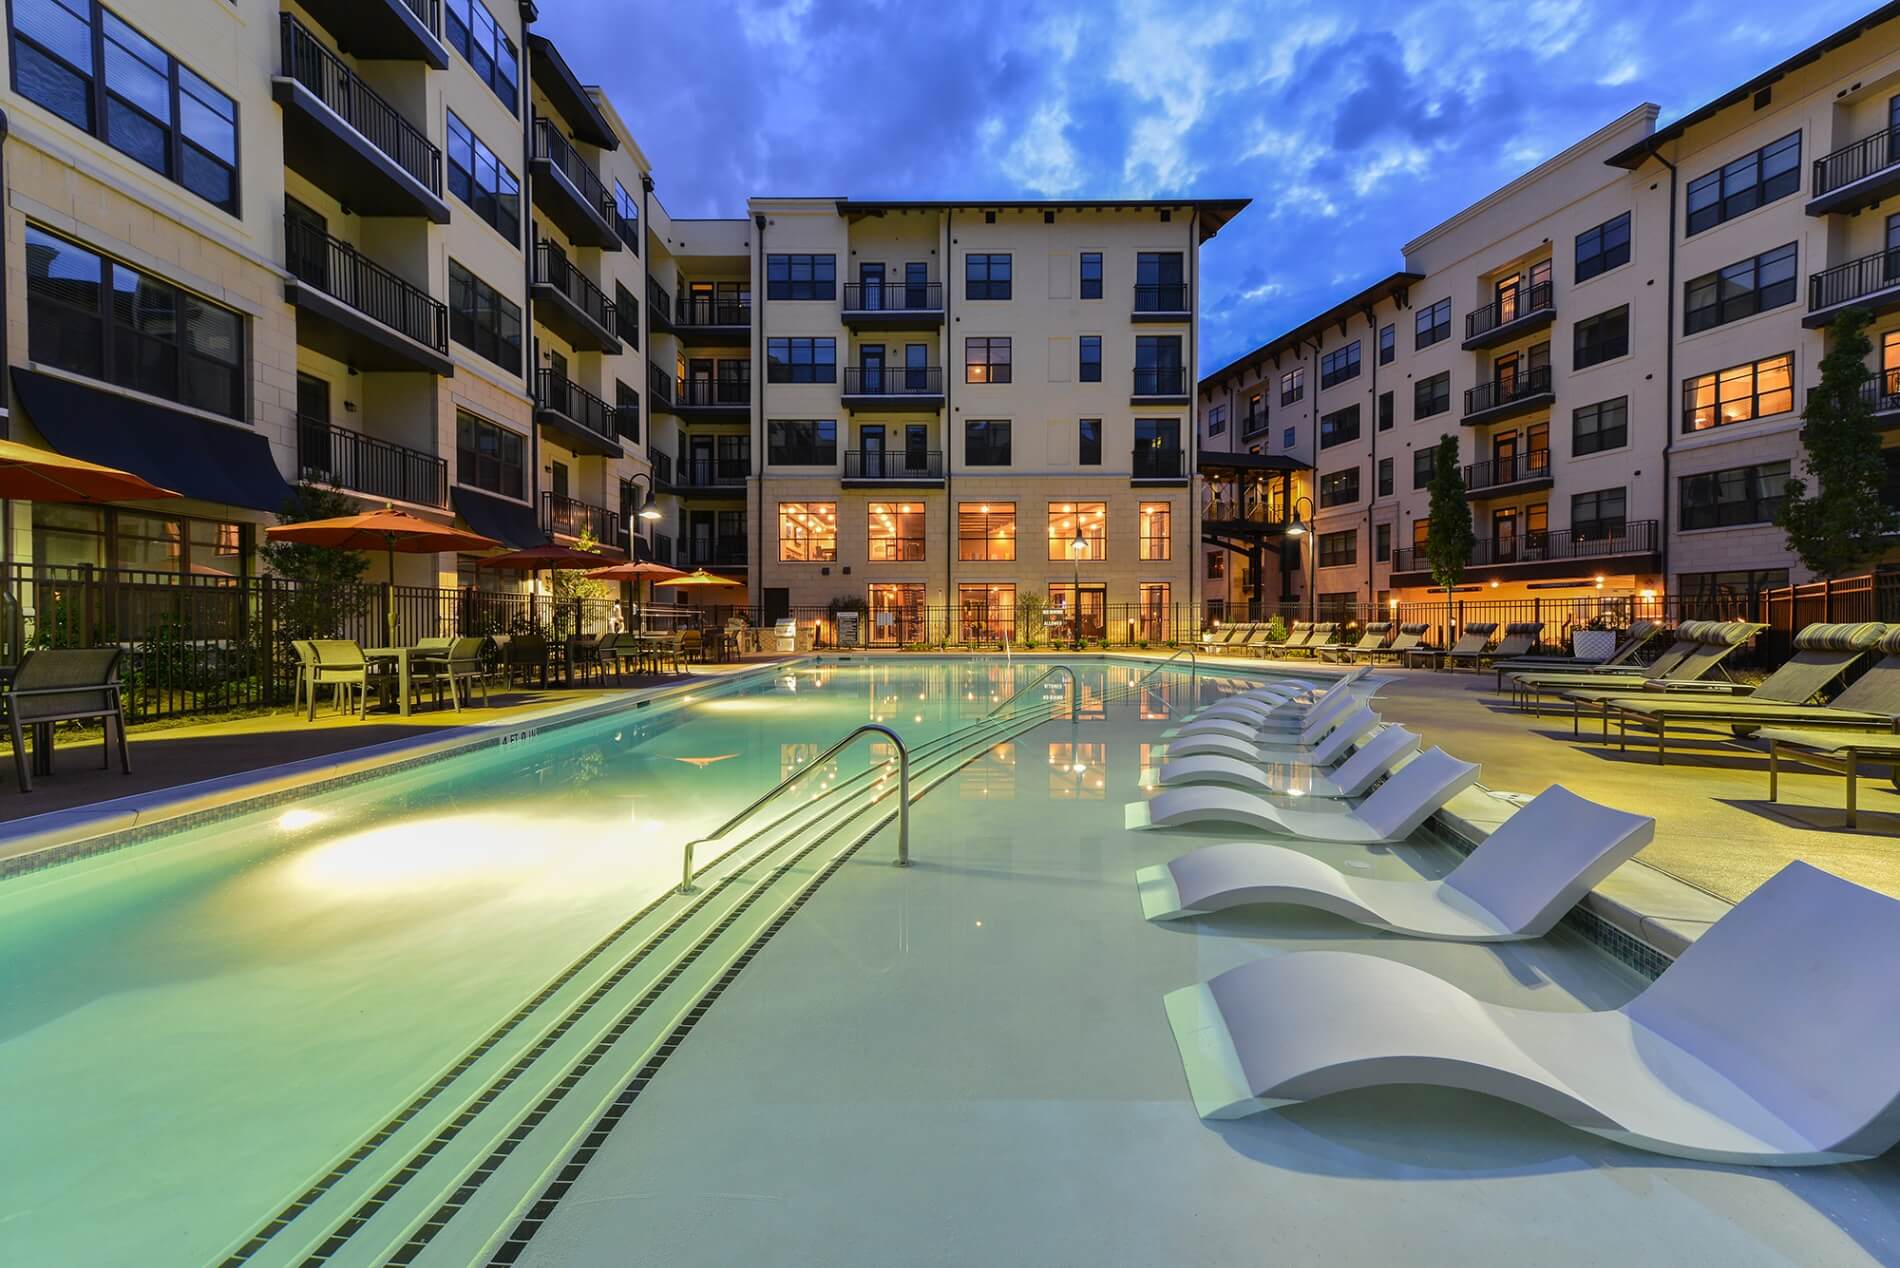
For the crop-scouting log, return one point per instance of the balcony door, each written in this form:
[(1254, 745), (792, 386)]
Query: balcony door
[(306, 249), (700, 460), (1889, 369), (916, 367), (1508, 292), (871, 451), (557, 480), (916, 448), (702, 532), (313, 427), (871, 287), (699, 381), (917, 284), (871, 368), (1504, 535)]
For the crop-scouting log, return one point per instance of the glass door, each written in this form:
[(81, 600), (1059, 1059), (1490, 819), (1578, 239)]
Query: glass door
[(916, 367), (871, 451), (699, 463), (871, 368), (916, 449), (1507, 295), (916, 284), (1504, 535), (871, 287)]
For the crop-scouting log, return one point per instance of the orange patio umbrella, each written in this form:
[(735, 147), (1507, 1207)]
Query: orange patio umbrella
[(390, 530), (700, 577), (40, 475), (637, 571), (546, 555)]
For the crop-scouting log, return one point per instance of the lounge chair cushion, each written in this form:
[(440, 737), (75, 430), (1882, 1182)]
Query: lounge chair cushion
[(1859, 636)]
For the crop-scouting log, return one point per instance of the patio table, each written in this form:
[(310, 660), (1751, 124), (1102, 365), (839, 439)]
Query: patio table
[(405, 659)]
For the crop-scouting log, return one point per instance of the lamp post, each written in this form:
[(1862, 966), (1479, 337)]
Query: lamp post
[(1078, 547), (1298, 528), (649, 511)]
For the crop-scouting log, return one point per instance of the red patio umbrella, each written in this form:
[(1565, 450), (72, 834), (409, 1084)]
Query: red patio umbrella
[(40, 475), (390, 530)]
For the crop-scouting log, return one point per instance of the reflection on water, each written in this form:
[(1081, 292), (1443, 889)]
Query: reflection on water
[(1078, 772), (991, 777)]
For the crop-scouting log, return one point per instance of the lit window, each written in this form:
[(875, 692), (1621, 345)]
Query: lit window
[(1739, 393), (986, 531), (807, 532), (1064, 517), (1157, 537), (896, 532)]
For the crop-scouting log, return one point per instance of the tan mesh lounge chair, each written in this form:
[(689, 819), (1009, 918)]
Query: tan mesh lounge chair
[(1517, 639), (1638, 634), (1531, 687), (1214, 639), (1370, 640), (64, 685), (1407, 639), (1317, 636), (1254, 644), (1472, 641), (1837, 751), (1717, 640)]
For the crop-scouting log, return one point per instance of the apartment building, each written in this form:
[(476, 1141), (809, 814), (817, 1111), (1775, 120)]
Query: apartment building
[(1619, 339)]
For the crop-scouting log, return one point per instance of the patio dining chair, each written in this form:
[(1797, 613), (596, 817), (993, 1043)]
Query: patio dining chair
[(64, 685), (459, 668)]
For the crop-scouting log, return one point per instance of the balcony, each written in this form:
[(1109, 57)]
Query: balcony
[(892, 305), (343, 138), (1508, 396), (894, 389), (350, 460), (1881, 395), (662, 468), (567, 302), (1166, 301), (1523, 312), (564, 516), (1158, 466), (712, 477), (659, 310), (659, 390), (1160, 385), (713, 400), (893, 468), (1504, 477), (569, 192), (385, 30), (1856, 176), (712, 321), (1253, 424), (1871, 282), (1631, 547), (353, 310), (713, 552), (579, 419)]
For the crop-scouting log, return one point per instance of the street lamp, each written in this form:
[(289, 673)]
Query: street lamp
[(1298, 528), (1078, 547), (649, 509)]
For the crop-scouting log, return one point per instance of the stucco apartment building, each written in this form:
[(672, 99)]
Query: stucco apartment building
[(1621, 340)]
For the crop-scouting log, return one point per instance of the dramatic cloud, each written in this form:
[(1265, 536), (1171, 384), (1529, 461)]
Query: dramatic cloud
[(1352, 130)]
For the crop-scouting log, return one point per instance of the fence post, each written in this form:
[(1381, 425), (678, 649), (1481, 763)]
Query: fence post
[(267, 641), (1827, 599)]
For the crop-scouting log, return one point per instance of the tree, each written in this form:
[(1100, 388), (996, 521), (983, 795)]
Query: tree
[(1843, 527), (324, 596), (1449, 538)]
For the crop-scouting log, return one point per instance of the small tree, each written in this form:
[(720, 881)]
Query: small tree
[(1030, 607), (1843, 526), (1448, 539), (571, 584), (326, 593)]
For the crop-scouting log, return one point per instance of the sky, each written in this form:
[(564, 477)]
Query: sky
[(1352, 128)]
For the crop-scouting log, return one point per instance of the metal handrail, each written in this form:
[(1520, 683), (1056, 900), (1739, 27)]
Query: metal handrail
[(1075, 691), (1185, 651), (903, 795)]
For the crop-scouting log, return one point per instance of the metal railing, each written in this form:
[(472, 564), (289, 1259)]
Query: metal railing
[(893, 464), (553, 148), (903, 798), (310, 63), (659, 303), (893, 297), (1163, 297), (1075, 692), (1498, 472), (659, 384), (1151, 463), (1167, 380), (1634, 538), (893, 380), (572, 517), (1856, 162), (338, 270), (711, 310), (1856, 279), (1193, 660), (704, 393), (555, 391), (713, 473), (1538, 297), (1520, 386), (728, 551), (1252, 424), (429, 12), (348, 459), (553, 268)]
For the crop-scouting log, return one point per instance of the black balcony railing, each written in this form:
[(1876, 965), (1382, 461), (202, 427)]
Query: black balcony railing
[(1507, 389), (662, 466), (1515, 469), (1166, 380), (1253, 424), (893, 380), (428, 12), (553, 268), (712, 473), (1158, 464), (659, 304), (713, 393), (713, 552), (1857, 279), (893, 464), (1856, 162), (1536, 298), (350, 460), (712, 310), (1164, 297), (1638, 537), (572, 517), (555, 391), (551, 146), (659, 384), (307, 61), (893, 297), (338, 270)]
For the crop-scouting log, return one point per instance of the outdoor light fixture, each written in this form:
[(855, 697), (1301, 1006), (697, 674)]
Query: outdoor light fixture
[(1078, 546), (1298, 529), (649, 509)]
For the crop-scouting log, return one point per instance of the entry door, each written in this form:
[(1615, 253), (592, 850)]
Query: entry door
[(871, 362), (701, 450), (1507, 296), (916, 448), (916, 284), (916, 367), (314, 452), (1092, 607), (307, 248), (871, 287), (1504, 535), (871, 443)]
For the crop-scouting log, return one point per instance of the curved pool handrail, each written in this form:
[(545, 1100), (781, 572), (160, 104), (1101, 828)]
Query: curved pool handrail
[(1075, 691), (1185, 651), (903, 799)]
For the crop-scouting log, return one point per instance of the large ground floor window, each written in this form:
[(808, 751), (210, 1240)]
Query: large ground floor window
[(986, 613), (1063, 614), (164, 545), (1154, 614), (897, 614)]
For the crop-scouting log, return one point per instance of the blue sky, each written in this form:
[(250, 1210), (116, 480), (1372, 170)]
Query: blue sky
[(1352, 127)]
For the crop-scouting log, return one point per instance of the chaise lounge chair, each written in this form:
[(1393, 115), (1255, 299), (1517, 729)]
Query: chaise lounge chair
[(1407, 639), (1317, 636), (1354, 777), (1518, 638), (1371, 640), (1700, 647), (1322, 745), (1472, 641), (1755, 1047), (1287, 698), (1634, 639), (1518, 884), (1395, 809), (1293, 728)]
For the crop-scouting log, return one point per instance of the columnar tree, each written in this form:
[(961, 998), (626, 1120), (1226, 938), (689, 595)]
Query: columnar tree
[(1842, 526), (1449, 538)]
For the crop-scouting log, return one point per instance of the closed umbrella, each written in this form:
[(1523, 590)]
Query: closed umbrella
[(390, 530)]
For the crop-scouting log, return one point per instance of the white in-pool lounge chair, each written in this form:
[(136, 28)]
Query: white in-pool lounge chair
[(1518, 884), (1329, 743), (1292, 733), (1765, 1043), (1396, 808), (1351, 778), (1264, 707)]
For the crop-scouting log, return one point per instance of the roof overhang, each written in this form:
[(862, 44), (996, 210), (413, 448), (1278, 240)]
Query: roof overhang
[(1381, 290), (1213, 213), (564, 89)]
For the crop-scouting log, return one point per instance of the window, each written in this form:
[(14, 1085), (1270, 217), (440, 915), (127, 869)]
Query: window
[(801, 442), (1339, 488), (807, 532), (1385, 411), (985, 612), (1382, 543), (1158, 370), (985, 443), (1336, 550), (1740, 495), (1597, 515), (626, 218), (1159, 282), (84, 64), (1602, 337), (1595, 428), (1603, 248), (482, 318), (1741, 290), (1422, 465), (986, 359), (1715, 595), (1157, 536), (986, 531), (626, 412), (986, 277), (1739, 393), (1339, 427), (1292, 385), (1089, 442), (487, 456), (1216, 420), (801, 360), (1256, 420), (479, 39), (91, 315), (895, 532), (1432, 324), (1091, 275), (801, 277), (1431, 396), (1773, 171), (1064, 517), (483, 181), (628, 310), (1339, 365), (1385, 478), (1288, 437), (1090, 368), (1216, 564), (1388, 344)]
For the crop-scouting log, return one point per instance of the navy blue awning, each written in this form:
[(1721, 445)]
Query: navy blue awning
[(510, 523), (228, 465)]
